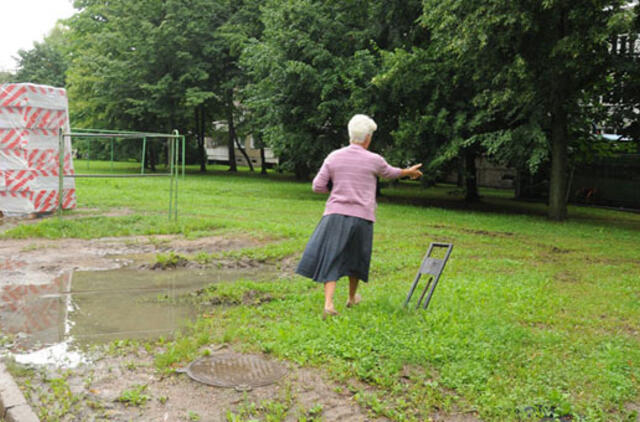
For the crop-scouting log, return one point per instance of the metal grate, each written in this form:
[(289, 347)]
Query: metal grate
[(233, 370), (433, 267)]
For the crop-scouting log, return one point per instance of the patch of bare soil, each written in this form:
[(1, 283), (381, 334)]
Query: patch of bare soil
[(7, 223), (98, 390), (488, 233), (37, 261), (633, 408)]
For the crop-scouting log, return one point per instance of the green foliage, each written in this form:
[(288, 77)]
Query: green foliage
[(6, 77), (47, 62), (170, 260), (446, 80), (311, 71), (57, 401), (134, 396), (494, 77)]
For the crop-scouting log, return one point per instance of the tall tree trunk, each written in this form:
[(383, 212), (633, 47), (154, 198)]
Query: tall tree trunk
[(232, 133), (200, 125), (559, 142), (460, 172), (559, 164), (518, 185), (152, 156), (244, 153), (470, 175), (263, 160)]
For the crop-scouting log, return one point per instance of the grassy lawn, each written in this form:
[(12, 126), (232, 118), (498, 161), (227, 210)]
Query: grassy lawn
[(528, 312)]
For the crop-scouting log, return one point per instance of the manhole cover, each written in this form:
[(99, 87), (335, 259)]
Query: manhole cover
[(233, 370)]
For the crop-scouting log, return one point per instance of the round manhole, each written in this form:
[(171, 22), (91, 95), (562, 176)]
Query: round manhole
[(234, 370)]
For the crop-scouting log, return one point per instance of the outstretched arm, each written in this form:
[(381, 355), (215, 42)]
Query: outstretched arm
[(389, 172), (413, 171)]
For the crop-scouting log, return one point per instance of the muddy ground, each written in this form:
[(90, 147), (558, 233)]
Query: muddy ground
[(95, 388), (97, 391), (101, 385)]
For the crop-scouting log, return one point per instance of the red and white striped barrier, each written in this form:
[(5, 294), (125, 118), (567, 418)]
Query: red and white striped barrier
[(32, 180), (13, 159), (46, 200), (23, 95), (32, 138), (21, 201), (47, 160), (30, 119)]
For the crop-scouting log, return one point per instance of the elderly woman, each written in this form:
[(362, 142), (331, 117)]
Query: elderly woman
[(341, 243)]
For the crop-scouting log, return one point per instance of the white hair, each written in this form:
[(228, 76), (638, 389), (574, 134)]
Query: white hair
[(360, 126)]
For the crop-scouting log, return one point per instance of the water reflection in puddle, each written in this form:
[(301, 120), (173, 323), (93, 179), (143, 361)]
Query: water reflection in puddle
[(49, 321)]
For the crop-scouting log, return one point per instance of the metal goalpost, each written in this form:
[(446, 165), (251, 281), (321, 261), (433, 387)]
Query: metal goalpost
[(176, 159)]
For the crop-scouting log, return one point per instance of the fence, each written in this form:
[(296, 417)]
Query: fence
[(176, 143)]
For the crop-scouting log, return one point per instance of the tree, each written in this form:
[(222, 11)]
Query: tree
[(143, 65), (531, 64), (6, 77), (312, 69), (46, 63)]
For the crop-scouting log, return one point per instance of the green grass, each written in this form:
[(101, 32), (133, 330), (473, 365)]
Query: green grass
[(528, 312)]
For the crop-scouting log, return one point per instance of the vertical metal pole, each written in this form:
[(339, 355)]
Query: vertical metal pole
[(183, 154), (60, 169), (88, 153), (177, 142), (111, 165), (170, 180), (413, 288), (424, 292), (144, 151)]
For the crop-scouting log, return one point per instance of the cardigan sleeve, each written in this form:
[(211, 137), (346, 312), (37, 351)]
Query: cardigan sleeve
[(321, 181), (385, 170)]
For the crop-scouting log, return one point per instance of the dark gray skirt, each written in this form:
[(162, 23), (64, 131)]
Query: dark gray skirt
[(339, 246)]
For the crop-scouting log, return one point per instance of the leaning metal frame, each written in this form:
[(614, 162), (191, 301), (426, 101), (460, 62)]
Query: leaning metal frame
[(174, 159)]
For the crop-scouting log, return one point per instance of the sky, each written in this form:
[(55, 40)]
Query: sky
[(24, 21)]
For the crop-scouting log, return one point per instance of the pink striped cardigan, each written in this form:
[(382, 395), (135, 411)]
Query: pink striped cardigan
[(352, 171)]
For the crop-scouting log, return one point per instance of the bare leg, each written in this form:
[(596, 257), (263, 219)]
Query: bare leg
[(329, 289), (354, 298), (353, 287)]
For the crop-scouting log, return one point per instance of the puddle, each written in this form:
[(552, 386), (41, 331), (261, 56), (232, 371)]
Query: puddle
[(49, 322)]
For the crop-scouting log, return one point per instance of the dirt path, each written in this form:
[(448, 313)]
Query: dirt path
[(38, 261), (96, 391)]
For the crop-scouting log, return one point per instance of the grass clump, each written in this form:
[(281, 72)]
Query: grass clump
[(134, 396)]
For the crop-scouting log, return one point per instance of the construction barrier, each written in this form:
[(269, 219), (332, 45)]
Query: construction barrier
[(31, 117)]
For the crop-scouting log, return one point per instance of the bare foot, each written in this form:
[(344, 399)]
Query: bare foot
[(354, 302), (329, 312)]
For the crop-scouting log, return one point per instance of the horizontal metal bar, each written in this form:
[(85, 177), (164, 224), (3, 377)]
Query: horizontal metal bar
[(129, 132), (119, 175), (119, 135)]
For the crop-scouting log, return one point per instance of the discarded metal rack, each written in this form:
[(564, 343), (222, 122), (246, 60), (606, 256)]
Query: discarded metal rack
[(432, 267)]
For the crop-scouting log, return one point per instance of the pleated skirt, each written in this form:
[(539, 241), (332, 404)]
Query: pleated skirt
[(339, 246)]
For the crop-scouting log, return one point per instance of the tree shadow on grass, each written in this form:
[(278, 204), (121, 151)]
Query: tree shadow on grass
[(493, 201)]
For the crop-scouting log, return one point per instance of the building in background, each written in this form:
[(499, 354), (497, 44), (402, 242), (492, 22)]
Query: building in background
[(217, 148)]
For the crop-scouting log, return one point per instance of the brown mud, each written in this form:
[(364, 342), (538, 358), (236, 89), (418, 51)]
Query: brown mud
[(98, 389)]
